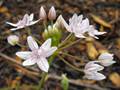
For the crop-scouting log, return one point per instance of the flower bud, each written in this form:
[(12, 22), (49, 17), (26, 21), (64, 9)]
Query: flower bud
[(106, 59), (54, 33), (52, 13), (61, 23), (45, 34), (13, 40), (42, 13), (65, 82)]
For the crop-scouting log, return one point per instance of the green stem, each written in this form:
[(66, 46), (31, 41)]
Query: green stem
[(45, 24), (66, 39), (70, 65), (75, 57), (29, 31), (70, 44), (17, 86), (52, 23), (45, 74), (20, 45)]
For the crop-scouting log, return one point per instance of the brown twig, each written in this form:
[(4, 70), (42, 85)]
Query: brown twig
[(18, 65), (76, 82)]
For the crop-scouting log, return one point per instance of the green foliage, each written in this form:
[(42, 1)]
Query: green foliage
[(64, 82), (54, 33)]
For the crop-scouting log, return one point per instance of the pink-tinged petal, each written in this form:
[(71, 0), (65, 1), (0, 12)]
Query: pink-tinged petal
[(29, 62), (14, 29), (33, 22), (85, 23), (25, 20), (80, 17), (12, 24), (95, 76), (73, 19), (106, 56), (51, 51), (60, 22), (23, 54), (42, 13), (31, 17), (43, 64), (79, 35), (47, 44), (107, 62), (52, 13), (32, 43), (91, 66)]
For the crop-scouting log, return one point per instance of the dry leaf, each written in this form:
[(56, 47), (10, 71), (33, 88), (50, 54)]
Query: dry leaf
[(91, 50), (15, 82), (4, 10), (115, 78), (101, 21), (118, 43)]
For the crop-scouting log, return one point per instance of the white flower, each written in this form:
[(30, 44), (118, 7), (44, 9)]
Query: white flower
[(106, 59), (91, 71), (80, 27), (52, 13), (13, 39), (26, 21), (38, 54)]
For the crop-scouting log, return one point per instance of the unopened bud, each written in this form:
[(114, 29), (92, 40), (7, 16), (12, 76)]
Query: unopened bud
[(54, 33), (60, 22), (52, 13), (45, 34), (42, 13), (65, 82), (106, 59), (13, 40)]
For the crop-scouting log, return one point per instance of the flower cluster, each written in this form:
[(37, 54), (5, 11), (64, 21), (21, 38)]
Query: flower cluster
[(92, 67), (78, 25)]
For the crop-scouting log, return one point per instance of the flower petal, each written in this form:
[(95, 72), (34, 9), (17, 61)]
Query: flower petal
[(61, 23), (31, 17), (47, 44), (12, 24), (106, 56), (33, 22), (43, 64), (29, 62), (32, 43), (13, 29), (91, 66), (51, 51), (25, 21), (23, 54), (85, 23), (95, 76), (107, 62)]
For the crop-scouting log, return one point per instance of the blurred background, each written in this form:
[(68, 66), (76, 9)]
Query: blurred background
[(104, 14)]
